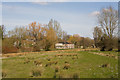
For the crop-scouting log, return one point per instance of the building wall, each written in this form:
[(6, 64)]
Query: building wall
[(64, 46)]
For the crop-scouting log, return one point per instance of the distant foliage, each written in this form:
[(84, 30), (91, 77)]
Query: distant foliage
[(7, 46), (80, 41), (36, 37), (9, 49)]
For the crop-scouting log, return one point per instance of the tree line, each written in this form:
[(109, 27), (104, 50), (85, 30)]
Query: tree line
[(37, 37)]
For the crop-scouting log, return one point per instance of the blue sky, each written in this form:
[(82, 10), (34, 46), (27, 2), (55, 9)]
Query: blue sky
[(74, 17)]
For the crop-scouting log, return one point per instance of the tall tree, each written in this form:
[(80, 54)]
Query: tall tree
[(57, 28), (64, 36), (34, 33), (75, 39), (108, 22), (17, 35), (97, 34), (51, 37)]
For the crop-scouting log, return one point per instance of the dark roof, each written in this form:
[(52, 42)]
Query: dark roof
[(65, 42)]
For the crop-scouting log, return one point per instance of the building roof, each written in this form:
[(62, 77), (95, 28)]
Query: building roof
[(65, 42)]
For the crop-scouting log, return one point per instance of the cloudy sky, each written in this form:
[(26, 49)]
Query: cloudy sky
[(74, 17)]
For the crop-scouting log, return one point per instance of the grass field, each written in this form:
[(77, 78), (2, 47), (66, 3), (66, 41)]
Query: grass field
[(62, 64)]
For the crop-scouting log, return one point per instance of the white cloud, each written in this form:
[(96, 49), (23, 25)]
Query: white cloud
[(41, 3), (95, 13)]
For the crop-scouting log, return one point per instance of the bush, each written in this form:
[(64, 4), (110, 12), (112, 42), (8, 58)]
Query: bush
[(23, 49), (56, 68), (9, 49), (55, 76), (26, 61), (48, 58), (75, 75), (61, 76), (4, 74), (38, 63), (36, 72), (36, 48), (8, 46), (56, 62), (49, 63), (66, 62), (66, 66)]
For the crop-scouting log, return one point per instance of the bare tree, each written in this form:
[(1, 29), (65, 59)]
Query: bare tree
[(57, 28), (108, 22), (97, 34)]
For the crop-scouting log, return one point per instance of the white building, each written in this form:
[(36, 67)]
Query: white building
[(64, 45)]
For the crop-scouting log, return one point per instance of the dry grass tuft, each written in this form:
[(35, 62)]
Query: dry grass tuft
[(36, 72), (66, 66), (4, 74), (26, 61), (75, 75), (38, 63), (56, 68), (105, 65)]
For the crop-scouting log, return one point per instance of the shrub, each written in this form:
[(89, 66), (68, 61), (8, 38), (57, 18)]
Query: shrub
[(9, 49), (23, 49), (56, 62), (53, 62), (55, 76), (75, 75), (26, 61), (56, 68), (105, 65), (48, 59), (61, 76), (36, 48), (48, 64), (37, 63), (4, 74), (66, 62), (66, 66), (36, 72), (74, 57)]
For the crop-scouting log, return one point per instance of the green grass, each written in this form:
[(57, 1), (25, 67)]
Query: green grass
[(86, 66)]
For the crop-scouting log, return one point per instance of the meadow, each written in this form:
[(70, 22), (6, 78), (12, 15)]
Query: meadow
[(62, 64)]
